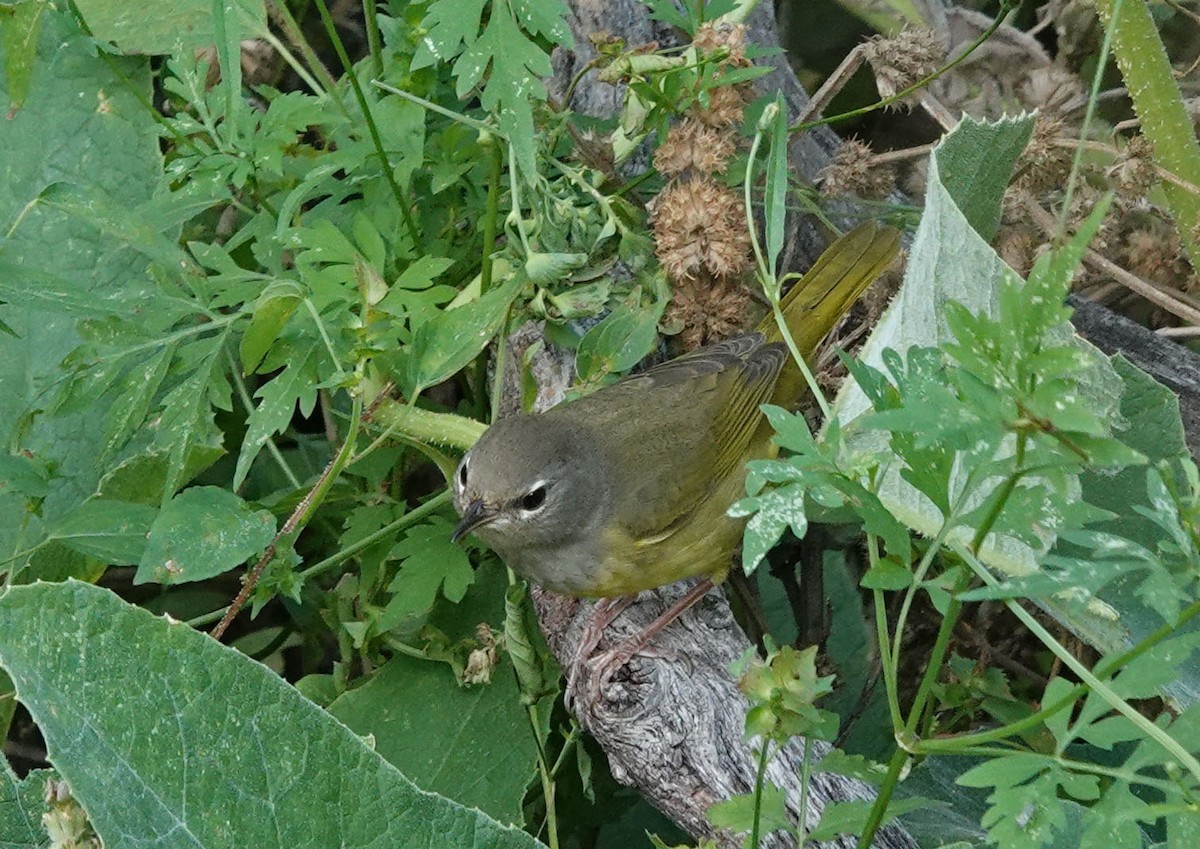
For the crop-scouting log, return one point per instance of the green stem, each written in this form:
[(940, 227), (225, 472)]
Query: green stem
[(547, 776), (402, 201), (883, 638), (426, 426), (374, 43), (1146, 70), (886, 788), (415, 515), (759, 779), (1086, 676), (1005, 8), (491, 217), (805, 780)]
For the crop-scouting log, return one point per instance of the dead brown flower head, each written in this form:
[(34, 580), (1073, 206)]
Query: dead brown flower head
[(694, 146), (708, 311), (723, 36), (700, 228), (1133, 173), (851, 173), (1045, 164), (904, 59)]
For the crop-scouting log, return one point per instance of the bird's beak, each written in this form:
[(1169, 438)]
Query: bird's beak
[(476, 514)]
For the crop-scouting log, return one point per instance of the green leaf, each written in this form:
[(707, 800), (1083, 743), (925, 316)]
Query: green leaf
[(617, 343), (429, 562), (135, 392), (82, 122), (201, 532), (179, 25), (211, 748), (275, 306), (850, 817), (505, 48), (445, 344), (484, 757), (773, 512), (775, 195), (295, 387), (111, 531), (24, 476), (19, 38), (21, 809), (737, 814), (976, 166)]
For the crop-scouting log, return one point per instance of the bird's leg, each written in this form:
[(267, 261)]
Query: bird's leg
[(602, 614), (605, 664)]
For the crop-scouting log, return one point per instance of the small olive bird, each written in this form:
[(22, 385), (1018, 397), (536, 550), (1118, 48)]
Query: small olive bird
[(627, 489)]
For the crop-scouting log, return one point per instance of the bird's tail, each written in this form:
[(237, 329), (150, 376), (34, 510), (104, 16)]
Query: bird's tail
[(819, 300)]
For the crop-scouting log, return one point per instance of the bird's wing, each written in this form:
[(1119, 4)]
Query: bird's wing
[(688, 424)]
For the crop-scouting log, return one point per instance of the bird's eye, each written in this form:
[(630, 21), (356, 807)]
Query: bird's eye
[(534, 499), (462, 474)]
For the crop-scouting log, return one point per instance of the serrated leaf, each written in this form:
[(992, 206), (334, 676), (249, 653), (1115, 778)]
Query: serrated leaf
[(737, 814), (275, 306), (136, 391), (191, 730), (201, 532), (446, 343), (187, 416), (111, 531), (770, 515), (21, 809), (294, 388), (429, 563)]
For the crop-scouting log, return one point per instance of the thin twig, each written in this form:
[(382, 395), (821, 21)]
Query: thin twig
[(1150, 292)]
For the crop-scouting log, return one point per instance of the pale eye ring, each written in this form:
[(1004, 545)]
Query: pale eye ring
[(462, 474), (534, 499)]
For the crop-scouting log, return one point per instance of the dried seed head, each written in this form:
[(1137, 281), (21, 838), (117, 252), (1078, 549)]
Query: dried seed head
[(1133, 174), (700, 229), (904, 59), (725, 107), (1044, 165), (723, 36), (851, 173), (1052, 90), (708, 311), (694, 146)]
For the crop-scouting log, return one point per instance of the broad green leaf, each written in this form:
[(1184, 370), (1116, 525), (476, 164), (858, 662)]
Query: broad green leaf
[(209, 748), (953, 274), (21, 808), (174, 27), (445, 344), (201, 532), (83, 122), (617, 343), (976, 167), (111, 531), (485, 755)]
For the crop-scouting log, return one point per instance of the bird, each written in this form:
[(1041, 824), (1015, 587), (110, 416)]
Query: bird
[(628, 488)]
